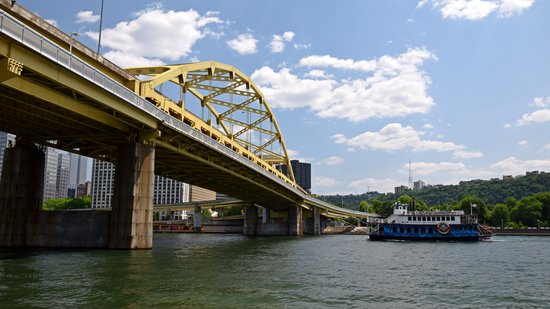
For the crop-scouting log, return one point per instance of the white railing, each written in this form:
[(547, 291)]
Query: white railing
[(20, 32)]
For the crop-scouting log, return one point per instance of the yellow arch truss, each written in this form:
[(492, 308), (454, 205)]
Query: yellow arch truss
[(228, 102)]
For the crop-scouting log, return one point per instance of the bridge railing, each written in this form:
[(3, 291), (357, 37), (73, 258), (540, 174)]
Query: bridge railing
[(20, 32)]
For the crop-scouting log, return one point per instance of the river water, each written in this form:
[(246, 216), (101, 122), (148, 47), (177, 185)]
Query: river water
[(233, 271)]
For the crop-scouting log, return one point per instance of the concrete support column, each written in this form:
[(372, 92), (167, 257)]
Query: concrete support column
[(21, 191), (132, 214), (316, 221), (250, 220), (266, 215), (197, 220), (295, 226)]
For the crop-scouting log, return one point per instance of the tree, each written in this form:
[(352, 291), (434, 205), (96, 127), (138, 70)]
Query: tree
[(364, 206), (499, 215)]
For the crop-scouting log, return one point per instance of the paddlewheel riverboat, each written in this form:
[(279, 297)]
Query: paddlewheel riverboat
[(405, 224)]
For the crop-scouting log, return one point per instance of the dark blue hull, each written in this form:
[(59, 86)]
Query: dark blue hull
[(431, 232)]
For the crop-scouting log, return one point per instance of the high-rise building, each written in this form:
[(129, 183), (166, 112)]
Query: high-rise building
[(103, 180), (418, 185), (50, 172), (166, 191), (77, 176), (62, 177), (6, 139), (302, 173)]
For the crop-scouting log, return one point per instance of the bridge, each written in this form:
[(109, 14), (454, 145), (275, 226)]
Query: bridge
[(203, 123)]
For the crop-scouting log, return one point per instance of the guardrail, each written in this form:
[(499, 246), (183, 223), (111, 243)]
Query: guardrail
[(20, 32)]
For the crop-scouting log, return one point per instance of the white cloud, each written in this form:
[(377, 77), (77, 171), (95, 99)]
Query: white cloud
[(86, 17), (395, 137), (393, 86), (333, 160), (324, 182), (302, 46), (244, 44), (523, 143), (541, 115), (509, 8), (277, 44), (286, 90), (373, 184), (513, 166), (131, 61), (547, 146), (429, 168), (53, 22), (478, 9), (427, 126), (157, 34), (318, 74), (464, 154), (541, 102)]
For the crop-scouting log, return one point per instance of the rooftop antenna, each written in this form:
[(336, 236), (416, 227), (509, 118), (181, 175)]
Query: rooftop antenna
[(410, 175)]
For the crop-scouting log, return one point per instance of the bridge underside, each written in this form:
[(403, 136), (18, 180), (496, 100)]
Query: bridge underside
[(78, 124)]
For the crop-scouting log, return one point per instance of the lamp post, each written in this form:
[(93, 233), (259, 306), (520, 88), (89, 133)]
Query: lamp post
[(538, 224), (100, 27), (502, 224), (71, 41)]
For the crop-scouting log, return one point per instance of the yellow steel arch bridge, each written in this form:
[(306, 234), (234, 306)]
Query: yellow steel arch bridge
[(210, 123)]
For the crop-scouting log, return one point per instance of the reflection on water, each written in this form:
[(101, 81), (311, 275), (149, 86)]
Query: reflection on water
[(233, 271)]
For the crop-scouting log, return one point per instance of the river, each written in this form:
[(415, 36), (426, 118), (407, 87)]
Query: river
[(233, 271)]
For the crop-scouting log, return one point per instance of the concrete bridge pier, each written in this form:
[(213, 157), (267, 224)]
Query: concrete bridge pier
[(132, 214), (295, 223), (21, 192), (316, 221), (197, 220), (250, 227)]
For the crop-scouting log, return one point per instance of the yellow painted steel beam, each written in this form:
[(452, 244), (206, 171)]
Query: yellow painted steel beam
[(47, 69), (197, 78), (66, 102), (245, 179)]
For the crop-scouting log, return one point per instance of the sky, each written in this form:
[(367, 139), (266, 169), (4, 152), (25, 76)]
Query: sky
[(461, 88)]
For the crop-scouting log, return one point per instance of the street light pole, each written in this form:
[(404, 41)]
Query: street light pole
[(71, 41), (100, 27)]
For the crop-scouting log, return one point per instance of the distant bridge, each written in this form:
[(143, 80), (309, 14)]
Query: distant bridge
[(80, 102)]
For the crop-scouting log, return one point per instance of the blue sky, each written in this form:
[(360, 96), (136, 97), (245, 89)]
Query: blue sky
[(460, 87)]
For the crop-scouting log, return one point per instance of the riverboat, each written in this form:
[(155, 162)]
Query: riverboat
[(405, 224)]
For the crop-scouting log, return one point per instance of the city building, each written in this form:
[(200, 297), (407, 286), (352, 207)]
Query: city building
[(302, 173), (401, 189), (419, 185), (6, 139), (78, 170), (166, 191), (62, 177), (84, 189)]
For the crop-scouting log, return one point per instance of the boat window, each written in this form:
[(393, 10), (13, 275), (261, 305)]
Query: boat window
[(408, 229), (394, 229), (415, 230), (409, 218), (423, 218), (429, 218), (430, 230), (414, 218), (452, 218), (438, 219), (401, 230), (433, 218), (448, 218), (423, 230)]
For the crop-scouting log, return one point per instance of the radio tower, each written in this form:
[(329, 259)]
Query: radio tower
[(410, 175)]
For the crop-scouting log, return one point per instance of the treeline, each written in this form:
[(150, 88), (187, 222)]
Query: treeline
[(515, 202), (67, 203), (533, 210), (490, 191)]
